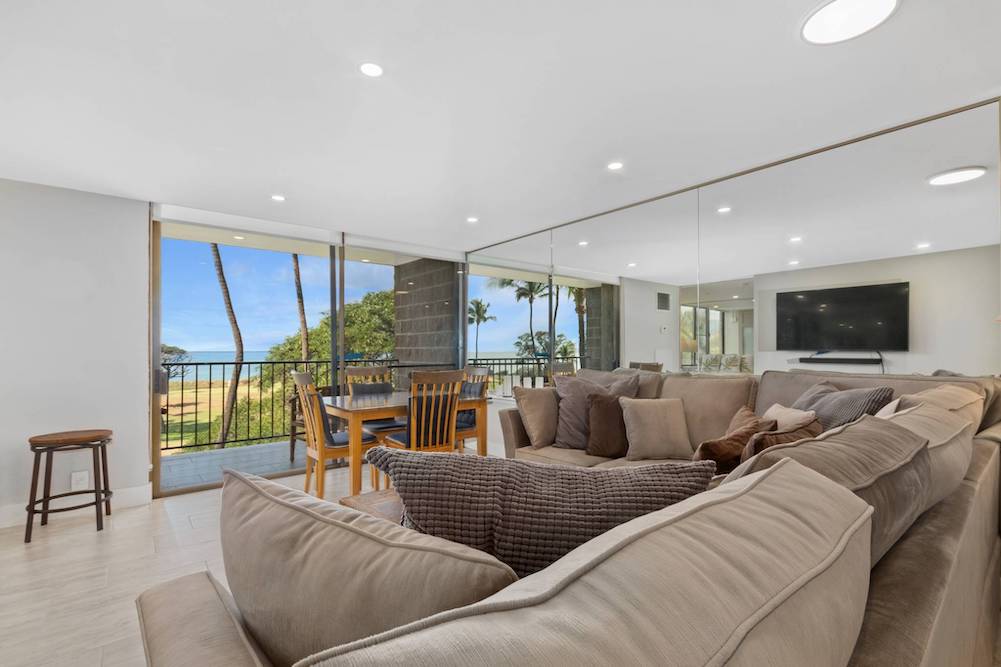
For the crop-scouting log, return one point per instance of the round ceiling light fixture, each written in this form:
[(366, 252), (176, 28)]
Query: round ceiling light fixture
[(614, 166), (631, 265), (793, 262), (841, 20), (472, 220), (277, 197), (370, 69), (239, 238), (795, 239), (954, 176), (582, 244), (724, 209)]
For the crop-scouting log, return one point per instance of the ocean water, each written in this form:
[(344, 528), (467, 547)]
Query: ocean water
[(218, 358)]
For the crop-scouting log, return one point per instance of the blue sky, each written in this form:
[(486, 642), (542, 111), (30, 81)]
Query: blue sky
[(262, 288)]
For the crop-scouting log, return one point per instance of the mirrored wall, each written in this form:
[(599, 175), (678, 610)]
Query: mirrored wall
[(878, 255)]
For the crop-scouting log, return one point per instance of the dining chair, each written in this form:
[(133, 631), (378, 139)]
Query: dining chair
[(646, 366), (476, 383), (322, 444), (369, 381), (432, 409), (298, 427)]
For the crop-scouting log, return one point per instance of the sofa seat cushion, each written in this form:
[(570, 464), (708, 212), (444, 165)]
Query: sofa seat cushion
[(883, 463), (527, 514), (192, 620), (950, 444), (559, 455), (292, 561), (710, 402), (770, 570), (626, 463), (924, 596)]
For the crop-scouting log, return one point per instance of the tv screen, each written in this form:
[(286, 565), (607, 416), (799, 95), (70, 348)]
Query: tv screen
[(872, 318)]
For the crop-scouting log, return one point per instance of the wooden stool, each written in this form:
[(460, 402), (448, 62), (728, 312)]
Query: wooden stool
[(95, 440)]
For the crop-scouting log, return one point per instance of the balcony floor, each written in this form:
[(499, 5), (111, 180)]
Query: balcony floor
[(194, 469)]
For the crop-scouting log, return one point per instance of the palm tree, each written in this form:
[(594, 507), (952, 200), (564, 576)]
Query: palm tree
[(303, 328), (525, 290), (234, 384), (478, 315), (579, 297)]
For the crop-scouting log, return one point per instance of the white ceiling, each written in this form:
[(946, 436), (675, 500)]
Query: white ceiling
[(507, 111), (869, 200)]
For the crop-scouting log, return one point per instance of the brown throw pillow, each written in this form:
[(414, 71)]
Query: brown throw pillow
[(528, 515), (572, 424), (726, 450), (762, 441), (538, 409), (607, 429)]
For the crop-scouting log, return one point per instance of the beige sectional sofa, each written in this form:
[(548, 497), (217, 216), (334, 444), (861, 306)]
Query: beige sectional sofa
[(772, 568)]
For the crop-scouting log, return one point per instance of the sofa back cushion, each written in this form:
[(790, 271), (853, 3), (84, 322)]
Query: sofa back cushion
[(710, 402), (950, 444), (883, 463), (770, 570), (784, 387), (307, 574)]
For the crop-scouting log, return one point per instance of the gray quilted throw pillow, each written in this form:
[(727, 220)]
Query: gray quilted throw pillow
[(528, 514), (835, 407)]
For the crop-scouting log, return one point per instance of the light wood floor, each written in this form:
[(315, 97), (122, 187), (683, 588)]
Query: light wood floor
[(68, 598)]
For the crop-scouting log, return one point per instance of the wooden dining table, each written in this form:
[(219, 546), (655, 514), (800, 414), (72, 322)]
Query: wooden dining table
[(356, 410)]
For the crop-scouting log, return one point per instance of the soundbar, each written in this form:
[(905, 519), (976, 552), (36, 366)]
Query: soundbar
[(866, 361)]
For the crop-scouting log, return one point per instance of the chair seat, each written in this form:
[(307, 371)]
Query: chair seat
[(340, 439), (383, 425), (84, 437), (465, 420)]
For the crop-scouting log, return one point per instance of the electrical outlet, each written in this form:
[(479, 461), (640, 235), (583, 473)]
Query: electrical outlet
[(79, 480)]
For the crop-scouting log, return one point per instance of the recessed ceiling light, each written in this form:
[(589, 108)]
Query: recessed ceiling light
[(402, 291), (736, 296), (841, 20), (795, 239), (239, 238), (724, 209), (924, 245), (631, 265), (472, 220), (371, 69), (582, 243), (278, 197), (614, 166), (793, 262), (410, 282), (960, 175), (366, 261)]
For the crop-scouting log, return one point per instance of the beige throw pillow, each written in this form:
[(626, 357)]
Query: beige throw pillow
[(539, 410), (656, 428), (307, 574), (788, 419)]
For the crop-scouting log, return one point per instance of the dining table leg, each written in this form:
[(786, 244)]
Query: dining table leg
[(481, 428), (354, 453)]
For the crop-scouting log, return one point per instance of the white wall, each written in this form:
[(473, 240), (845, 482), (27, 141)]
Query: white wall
[(74, 278), (642, 326), (954, 299)]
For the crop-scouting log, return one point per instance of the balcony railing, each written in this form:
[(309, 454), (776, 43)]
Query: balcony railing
[(192, 409), (509, 372)]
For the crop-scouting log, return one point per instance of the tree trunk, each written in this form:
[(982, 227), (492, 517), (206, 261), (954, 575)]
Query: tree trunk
[(580, 308), (531, 327), (556, 306), (234, 383), (303, 328), (476, 354)]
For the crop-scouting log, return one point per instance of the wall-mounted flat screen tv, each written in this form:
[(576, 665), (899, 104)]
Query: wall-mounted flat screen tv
[(872, 318)]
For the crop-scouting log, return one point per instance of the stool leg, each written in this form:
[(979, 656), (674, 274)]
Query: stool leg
[(31, 498), (97, 488), (47, 488), (104, 475)]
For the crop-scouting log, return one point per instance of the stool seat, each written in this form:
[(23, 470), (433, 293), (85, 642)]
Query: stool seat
[(84, 437)]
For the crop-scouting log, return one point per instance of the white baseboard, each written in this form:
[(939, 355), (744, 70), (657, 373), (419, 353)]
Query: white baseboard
[(14, 514)]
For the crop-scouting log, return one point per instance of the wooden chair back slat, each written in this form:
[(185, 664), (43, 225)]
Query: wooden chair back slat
[(434, 403), (312, 410), (367, 375)]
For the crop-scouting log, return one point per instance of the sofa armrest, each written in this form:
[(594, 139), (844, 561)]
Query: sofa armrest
[(192, 620), (991, 433), (515, 435)]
